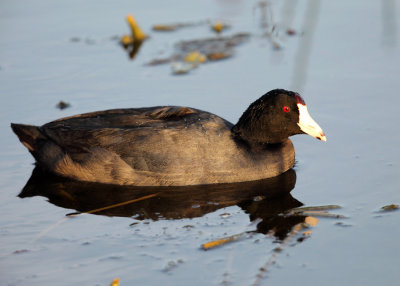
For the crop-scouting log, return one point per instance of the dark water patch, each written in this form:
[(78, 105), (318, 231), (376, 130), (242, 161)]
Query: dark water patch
[(63, 105), (20, 251)]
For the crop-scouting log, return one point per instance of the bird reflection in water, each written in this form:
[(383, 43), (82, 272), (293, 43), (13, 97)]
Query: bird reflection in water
[(265, 201)]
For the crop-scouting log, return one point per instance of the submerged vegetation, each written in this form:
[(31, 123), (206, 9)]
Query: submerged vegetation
[(189, 54)]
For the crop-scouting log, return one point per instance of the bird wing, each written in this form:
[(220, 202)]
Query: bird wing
[(145, 138)]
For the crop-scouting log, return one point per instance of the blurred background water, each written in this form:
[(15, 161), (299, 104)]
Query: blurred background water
[(344, 59)]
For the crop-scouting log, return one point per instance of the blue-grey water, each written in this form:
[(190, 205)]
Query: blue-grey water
[(344, 60)]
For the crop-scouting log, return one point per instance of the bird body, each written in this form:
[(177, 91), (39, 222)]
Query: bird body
[(162, 146)]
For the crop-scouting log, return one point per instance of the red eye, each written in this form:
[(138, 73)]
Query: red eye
[(286, 109)]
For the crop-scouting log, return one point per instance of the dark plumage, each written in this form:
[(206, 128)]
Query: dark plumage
[(170, 145)]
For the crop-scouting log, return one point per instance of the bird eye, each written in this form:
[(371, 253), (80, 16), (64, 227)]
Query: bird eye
[(286, 109)]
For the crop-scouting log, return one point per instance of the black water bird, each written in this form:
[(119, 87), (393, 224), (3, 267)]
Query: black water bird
[(173, 145)]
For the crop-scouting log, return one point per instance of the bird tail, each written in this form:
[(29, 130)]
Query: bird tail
[(30, 136)]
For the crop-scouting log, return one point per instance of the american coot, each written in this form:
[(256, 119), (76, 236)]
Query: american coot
[(172, 145)]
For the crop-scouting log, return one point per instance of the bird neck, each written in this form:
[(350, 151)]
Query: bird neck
[(257, 135)]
